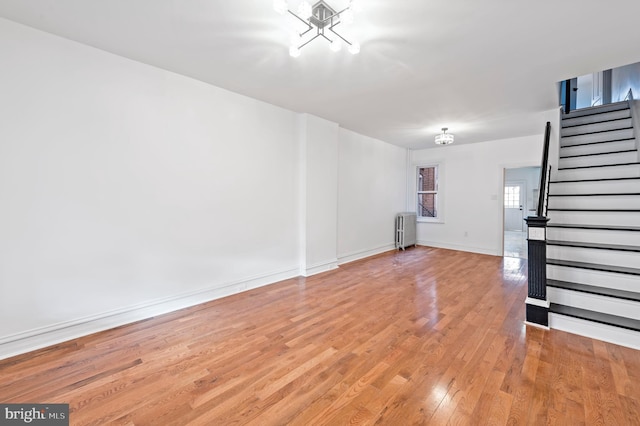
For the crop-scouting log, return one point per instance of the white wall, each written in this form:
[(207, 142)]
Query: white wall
[(123, 185), (127, 191), (472, 189), (319, 196), (371, 190)]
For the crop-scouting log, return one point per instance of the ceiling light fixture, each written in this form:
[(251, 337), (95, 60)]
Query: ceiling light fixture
[(318, 18), (444, 138)]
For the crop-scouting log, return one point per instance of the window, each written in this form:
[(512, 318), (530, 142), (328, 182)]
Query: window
[(428, 192), (512, 197)]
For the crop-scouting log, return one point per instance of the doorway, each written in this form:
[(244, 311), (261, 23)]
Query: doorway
[(520, 200), (514, 205)]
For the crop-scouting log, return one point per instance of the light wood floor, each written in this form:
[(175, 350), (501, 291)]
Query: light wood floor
[(426, 336)]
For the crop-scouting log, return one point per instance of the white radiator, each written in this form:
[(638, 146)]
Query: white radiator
[(405, 230)]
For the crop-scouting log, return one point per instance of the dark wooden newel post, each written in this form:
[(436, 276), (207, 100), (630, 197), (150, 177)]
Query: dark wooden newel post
[(537, 303)]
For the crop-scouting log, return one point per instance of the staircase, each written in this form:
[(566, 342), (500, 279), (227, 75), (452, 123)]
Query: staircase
[(593, 236)]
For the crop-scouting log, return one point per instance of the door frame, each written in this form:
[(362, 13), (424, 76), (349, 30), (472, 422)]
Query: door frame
[(500, 197)]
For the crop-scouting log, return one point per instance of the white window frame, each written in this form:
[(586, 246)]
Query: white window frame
[(439, 218)]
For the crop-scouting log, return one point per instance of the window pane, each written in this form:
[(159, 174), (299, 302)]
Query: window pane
[(427, 179), (512, 197), (427, 205)]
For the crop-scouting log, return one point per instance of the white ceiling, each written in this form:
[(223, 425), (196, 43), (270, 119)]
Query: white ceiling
[(486, 69)]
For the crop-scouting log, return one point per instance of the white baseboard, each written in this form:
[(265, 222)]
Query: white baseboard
[(321, 267), (594, 330), (357, 255), (480, 250), (30, 340)]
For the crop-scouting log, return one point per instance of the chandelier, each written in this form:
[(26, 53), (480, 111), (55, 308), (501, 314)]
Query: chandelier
[(444, 138), (320, 20)]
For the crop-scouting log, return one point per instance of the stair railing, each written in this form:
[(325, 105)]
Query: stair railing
[(545, 174), (537, 305), (629, 96)]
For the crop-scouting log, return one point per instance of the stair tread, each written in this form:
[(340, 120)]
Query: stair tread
[(597, 227), (598, 142), (596, 122), (598, 153), (608, 319), (602, 291), (595, 180), (596, 132), (633, 163), (595, 210), (605, 194), (618, 247), (594, 266)]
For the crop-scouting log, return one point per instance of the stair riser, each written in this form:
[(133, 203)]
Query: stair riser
[(612, 172), (594, 236), (597, 137), (595, 278), (596, 218), (596, 256), (594, 330), (596, 118), (598, 187), (594, 302), (598, 160), (596, 127), (596, 202), (598, 148)]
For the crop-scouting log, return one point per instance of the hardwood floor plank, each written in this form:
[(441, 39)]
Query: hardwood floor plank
[(423, 336), (631, 408), (623, 383), (500, 408), (379, 406), (484, 405)]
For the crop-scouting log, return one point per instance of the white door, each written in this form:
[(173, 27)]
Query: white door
[(514, 206)]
